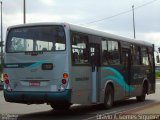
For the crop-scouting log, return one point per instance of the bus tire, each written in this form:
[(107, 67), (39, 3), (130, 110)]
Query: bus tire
[(109, 97), (144, 92), (62, 106)]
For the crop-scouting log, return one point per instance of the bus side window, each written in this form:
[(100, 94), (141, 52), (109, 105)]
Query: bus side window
[(104, 52), (150, 55), (80, 52), (144, 55), (135, 51), (75, 57), (110, 52)]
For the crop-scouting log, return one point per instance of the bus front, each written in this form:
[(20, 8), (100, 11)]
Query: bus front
[(36, 65)]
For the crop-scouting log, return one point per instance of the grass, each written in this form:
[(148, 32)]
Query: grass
[(157, 74)]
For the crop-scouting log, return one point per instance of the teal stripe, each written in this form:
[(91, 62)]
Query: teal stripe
[(118, 79), (17, 65), (25, 65), (37, 64)]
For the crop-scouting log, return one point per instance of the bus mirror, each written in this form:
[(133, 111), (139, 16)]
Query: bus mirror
[(157, 59)]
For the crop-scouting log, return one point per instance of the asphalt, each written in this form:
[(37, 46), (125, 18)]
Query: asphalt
[(150, 111)]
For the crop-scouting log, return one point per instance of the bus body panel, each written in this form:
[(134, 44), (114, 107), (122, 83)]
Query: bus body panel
[(81, 79), (109, 73), (25, 69)]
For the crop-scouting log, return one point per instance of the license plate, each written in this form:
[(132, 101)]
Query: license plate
[(34, 83)]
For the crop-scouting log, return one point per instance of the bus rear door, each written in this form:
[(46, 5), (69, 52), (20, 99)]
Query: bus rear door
[(126, 60), (95, 63)]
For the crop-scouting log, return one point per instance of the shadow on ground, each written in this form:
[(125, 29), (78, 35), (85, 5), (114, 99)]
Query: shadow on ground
[(82, 112)]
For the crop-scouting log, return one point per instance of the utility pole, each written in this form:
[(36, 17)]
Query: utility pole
[(24, 11), (1, 39), (133, 23)]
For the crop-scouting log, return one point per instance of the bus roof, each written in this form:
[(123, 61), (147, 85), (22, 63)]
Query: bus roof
[(87, 31), (107, 35)]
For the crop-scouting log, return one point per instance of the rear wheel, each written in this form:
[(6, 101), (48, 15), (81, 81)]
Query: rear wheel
[(63, 106), (144, 92), (109, 97)]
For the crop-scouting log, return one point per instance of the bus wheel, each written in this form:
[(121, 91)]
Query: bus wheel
[(109, 97), (143, 96), (62, 106)]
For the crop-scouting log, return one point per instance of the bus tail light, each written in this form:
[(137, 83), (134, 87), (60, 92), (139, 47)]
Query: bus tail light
[(5, 76), (65, 75), (64, 81), (7, 82)]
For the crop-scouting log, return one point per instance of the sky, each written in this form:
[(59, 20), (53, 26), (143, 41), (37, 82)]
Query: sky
[(84, 12)]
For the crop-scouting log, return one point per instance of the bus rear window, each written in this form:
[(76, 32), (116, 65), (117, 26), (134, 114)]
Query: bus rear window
[(38, 38)]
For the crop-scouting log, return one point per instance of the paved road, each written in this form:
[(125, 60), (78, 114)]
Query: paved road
[(44, 112)]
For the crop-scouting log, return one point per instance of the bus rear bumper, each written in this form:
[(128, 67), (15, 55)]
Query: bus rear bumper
[(30, 97)]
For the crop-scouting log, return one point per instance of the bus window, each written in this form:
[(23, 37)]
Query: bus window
[(135, 51), (18, 44), (104, 52), (45, 38), (110, 52), (43, 46), (80, 52), (150, 55), (144, 55)]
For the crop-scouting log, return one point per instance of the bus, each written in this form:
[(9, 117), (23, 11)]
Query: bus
[(63, 64)]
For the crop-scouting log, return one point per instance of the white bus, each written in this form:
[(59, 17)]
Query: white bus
[(61, 64)]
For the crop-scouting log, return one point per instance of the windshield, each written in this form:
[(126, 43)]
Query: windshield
[(38, 38)]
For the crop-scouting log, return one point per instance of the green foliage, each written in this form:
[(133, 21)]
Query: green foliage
[(157, 74)]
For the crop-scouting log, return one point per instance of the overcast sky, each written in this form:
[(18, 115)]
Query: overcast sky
[(82, 12)]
